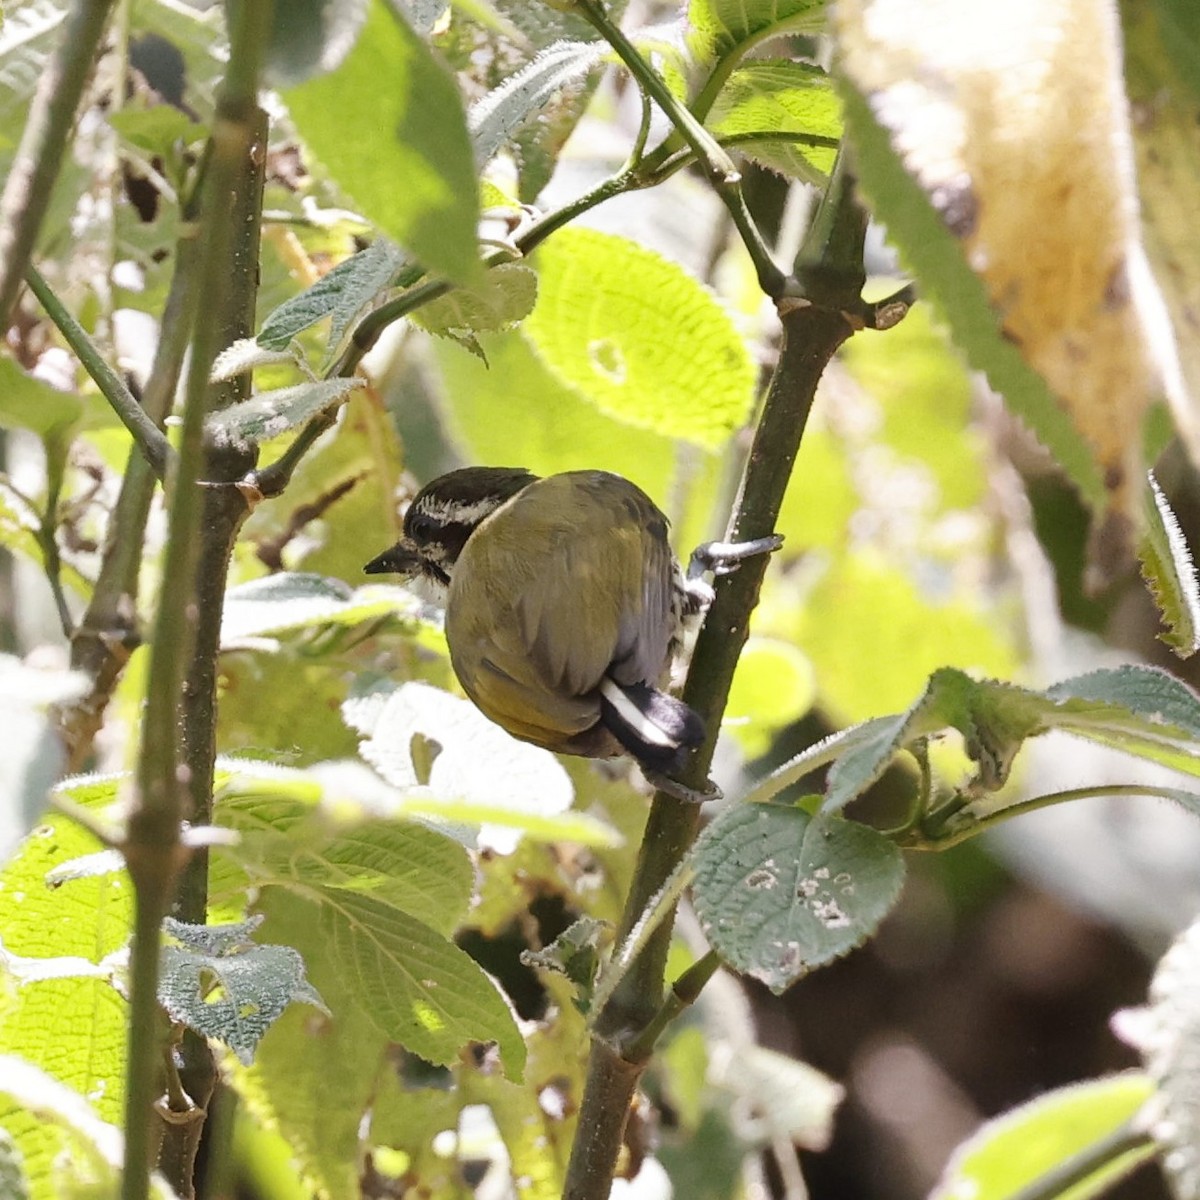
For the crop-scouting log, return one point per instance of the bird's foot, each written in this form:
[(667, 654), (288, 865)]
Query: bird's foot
[(722, 557), (681, 791)]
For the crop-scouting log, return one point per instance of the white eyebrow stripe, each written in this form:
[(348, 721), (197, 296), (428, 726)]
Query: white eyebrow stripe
[(452, 512)]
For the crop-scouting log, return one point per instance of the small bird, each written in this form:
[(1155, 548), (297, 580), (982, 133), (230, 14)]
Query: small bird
[(565, 607)]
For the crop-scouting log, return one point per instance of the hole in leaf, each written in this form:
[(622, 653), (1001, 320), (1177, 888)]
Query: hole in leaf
[(607, 360)]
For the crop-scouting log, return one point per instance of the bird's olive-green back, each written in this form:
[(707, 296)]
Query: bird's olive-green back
[(568, 581)]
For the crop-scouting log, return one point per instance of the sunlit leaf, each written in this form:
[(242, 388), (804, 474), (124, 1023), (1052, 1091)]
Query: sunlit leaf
[(418, 182), (639, 337)]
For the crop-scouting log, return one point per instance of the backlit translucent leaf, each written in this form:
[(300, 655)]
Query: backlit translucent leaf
[(1170, 573), (89, 919), (779, 96), (313, 1077), (639, 337), (719, 26), (772, 687), (287, 841), (98, 1147), (779, 893), (417, 183), (418, 987), (1011, 1152), (28, 403), (504, 297)]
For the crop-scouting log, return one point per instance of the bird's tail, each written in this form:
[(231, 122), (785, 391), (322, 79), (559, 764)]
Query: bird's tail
[(655, 728)]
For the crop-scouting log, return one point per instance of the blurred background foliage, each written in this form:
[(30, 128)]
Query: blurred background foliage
[(923, 528)]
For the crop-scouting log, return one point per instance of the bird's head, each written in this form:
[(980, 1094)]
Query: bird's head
[(442, 516)]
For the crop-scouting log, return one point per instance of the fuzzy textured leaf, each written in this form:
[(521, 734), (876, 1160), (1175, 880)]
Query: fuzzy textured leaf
[(268, 414), (341, 293), (1170, 573), (232, 992), (496, 117), (779, 893), (1166, 1033), (639, 337)]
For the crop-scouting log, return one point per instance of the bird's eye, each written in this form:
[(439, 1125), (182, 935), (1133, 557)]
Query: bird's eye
[(420, 526)]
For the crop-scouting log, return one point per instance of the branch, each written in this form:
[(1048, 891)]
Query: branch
[(108, 631), (43, 147), (718, 166), (146, 433), (812, 333), (153, 850)]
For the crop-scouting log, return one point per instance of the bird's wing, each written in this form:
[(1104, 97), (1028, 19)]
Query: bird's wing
[(568, 581)]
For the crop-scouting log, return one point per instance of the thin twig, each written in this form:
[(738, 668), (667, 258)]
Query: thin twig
[(146, 433), (718, 166), (42, 149)]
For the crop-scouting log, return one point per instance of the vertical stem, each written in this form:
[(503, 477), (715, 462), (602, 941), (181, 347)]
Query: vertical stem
[(43, 145), (224, 508), (812, 333), (153, 851)]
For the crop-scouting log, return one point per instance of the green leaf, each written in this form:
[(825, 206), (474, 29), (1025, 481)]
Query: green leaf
[(313, 1077), (295, 600), (495, 118), (287, 840), (1139, 710), (13, 1183), (520, 412), (245, 355), (28, 403), (418, 181), (640, 338), (309, 37), (772, 687), (418, 988), (1170, 573), (1011, 1152), (269, 414), (98, 1146), (229, 988), (932, 252), (720, 26), (775, 97), (505, 296), (156, 130), (341, 293), (779, 893), (89, 919)]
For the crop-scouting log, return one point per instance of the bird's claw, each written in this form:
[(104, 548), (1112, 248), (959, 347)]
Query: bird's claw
[(681, 791), (722, 557)]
